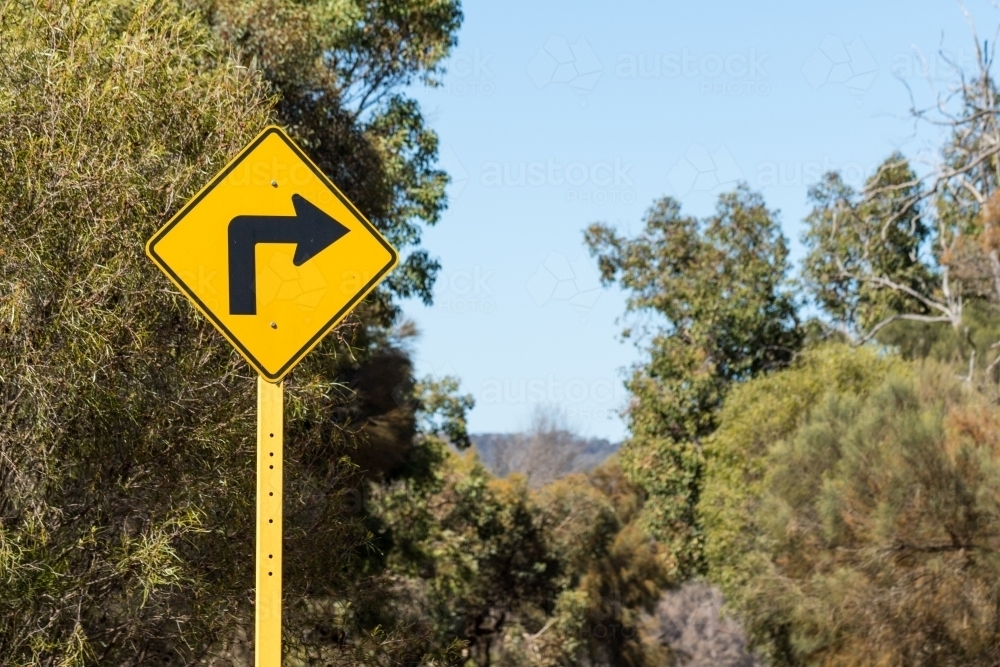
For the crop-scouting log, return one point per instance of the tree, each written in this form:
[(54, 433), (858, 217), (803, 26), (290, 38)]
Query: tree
[(126, 429), (613, 574), (559, 575), (757, 415), (866, 530), (864, 266), (125, 436), (717, 296), (917, 248), (469, 552)]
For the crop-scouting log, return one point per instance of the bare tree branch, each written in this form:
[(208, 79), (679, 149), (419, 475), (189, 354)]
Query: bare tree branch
[(895, 318)]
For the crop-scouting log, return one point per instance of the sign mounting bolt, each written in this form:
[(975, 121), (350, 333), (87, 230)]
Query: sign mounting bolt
[(274, 184), (274, 325)]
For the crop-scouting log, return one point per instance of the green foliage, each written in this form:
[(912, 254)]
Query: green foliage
[(842, 497), (556, 576), (845, 499), (858, 241), (127, 425), (850, 506), (612, 572), (443, 410), (757, 415), (473, 549), (923, 340), (339, 69), (723, 314), (719, 287), (124, 436)]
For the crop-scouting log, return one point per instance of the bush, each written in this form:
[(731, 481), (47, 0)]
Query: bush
[(851, 513)]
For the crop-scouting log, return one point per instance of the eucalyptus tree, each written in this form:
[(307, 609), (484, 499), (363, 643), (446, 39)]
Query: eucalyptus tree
[(719, 311), (919, 246)]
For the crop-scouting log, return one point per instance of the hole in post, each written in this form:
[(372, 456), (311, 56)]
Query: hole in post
[(271, 467), (272, 435), (271, 493), (270, 520)]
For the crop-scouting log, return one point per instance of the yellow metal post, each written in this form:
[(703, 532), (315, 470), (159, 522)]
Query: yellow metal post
[(270, 430)]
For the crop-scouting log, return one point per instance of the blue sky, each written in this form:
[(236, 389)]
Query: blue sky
[(556, 115)]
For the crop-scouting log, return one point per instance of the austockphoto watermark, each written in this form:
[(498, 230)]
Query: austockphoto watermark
[(598, 182), (600, 196), (551, 390), (943, 65), (704, 170), (356, 500), (607, 621), (465, 291), (848, 62), (561, 61), (453, 166), (574, 282), (841, 62), (740, 73), (470, 74), (701, 169), (797, 173)]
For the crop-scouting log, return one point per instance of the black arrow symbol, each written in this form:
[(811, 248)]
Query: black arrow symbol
[(310, 229)]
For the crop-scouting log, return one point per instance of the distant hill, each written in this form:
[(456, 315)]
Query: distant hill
[(542, 455)]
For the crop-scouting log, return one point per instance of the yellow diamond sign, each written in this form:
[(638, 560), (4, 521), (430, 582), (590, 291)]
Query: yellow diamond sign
[(272, 253)]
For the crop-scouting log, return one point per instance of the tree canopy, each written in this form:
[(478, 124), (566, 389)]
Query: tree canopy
[(721, 310)]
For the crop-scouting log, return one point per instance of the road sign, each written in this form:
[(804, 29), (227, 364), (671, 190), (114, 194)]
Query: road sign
[(274, 256), (272, 253)]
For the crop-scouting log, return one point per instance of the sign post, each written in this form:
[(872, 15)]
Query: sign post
[(275, 256), (270, 436)]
